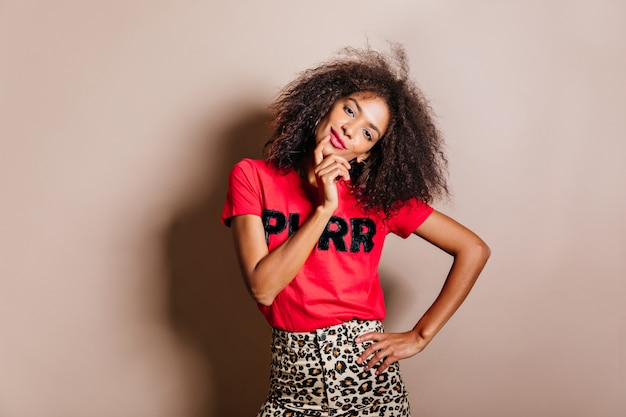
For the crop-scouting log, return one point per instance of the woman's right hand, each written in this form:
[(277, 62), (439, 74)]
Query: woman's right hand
[(329, 168), (267, 273)]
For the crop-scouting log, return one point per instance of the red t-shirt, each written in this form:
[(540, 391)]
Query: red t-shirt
[(339, 280)]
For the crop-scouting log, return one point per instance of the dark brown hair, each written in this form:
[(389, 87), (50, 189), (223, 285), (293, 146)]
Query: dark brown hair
[(408, 162)]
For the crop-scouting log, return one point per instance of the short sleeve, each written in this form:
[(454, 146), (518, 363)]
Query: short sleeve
[(409, 217), (243, 195)]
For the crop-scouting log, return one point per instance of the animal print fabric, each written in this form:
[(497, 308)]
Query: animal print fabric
[(316, 374)]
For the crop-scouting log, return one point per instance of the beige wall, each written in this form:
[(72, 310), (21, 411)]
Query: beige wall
[(119, 120)]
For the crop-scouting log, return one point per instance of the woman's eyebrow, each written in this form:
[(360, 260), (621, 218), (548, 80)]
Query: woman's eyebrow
[(358, 107)]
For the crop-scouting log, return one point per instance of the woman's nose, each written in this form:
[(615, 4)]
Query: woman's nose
[(348, 129)]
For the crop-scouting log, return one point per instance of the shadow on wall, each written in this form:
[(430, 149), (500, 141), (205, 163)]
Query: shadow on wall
[(210, 307), (397, 298)]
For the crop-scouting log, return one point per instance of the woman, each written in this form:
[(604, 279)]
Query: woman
[(354, 156)]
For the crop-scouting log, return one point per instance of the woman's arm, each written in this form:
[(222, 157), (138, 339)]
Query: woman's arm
[(470, 255), (267, 273)]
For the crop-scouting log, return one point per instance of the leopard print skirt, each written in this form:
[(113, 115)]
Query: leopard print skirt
[(316, 374)]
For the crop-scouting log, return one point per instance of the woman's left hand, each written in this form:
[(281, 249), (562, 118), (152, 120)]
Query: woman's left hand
[(389, 348), (470, 255)]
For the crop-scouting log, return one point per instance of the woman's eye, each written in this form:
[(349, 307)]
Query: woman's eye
[(349, 111), (367, 134)]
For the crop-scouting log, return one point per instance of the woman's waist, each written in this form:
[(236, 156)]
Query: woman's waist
[(343, 332)]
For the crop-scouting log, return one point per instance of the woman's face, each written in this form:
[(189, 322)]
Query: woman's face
[(354, 125)]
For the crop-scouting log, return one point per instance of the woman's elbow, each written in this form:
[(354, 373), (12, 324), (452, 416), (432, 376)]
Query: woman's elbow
[(265, 301), (481, 251), (261, 295), (474, 250)]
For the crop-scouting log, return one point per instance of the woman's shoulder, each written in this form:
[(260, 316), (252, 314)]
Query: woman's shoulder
[(257, 167), (248, 165), (256, 164)]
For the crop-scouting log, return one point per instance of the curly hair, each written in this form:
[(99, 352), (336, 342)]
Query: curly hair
[(408, 162)]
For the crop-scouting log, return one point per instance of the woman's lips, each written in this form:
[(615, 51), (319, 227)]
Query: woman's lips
[(336, 140)]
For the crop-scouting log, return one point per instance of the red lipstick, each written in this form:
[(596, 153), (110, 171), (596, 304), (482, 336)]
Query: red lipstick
[(336, 140)]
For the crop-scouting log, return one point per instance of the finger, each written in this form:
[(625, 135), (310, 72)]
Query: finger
[(374, 352), (343, 161), (317, 152), (331, 172), (384, 357), (366, 354), (370, 336), (331, 160), (383, 366), (370, 350), (330, 164), (379, 357)]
